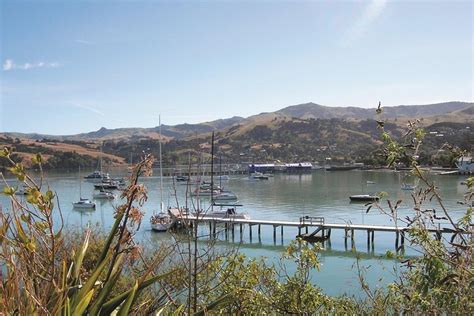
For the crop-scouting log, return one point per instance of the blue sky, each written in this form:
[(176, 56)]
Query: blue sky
[(70, 67)]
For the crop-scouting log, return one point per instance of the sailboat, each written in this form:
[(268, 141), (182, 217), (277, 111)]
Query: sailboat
[(161, 221), (98, 175), (229, 212), (83, 203)]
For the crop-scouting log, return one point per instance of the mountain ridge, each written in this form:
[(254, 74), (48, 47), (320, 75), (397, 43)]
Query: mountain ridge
[(300, 111)]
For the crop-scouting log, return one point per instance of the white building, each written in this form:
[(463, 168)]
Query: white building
[(465, 165)]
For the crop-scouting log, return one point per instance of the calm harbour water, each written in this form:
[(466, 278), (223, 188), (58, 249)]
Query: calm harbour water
[(283, 197)]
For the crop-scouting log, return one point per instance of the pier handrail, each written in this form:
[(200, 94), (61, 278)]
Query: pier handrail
[(311, 220)]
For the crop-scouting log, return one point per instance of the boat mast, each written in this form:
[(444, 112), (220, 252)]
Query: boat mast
[(80, 184), (220, 170), (100, 158), (161, 166), (212, 172)]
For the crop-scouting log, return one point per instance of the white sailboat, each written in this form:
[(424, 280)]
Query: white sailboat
[(161, 221), (83, 203), (225, 196), (98, 175)]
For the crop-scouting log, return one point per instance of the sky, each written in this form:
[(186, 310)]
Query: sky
[(76, 66)]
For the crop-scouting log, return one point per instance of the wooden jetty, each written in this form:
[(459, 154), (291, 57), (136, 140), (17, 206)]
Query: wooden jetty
[(315, 228)]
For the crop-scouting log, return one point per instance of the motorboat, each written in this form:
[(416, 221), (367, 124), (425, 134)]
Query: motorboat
[(104, 195), (258, 176), (182, 178), (84, 204), (370, 182), (408, 187), (364, 198)]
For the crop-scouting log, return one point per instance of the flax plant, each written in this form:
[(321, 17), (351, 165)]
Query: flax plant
[(40, 276)]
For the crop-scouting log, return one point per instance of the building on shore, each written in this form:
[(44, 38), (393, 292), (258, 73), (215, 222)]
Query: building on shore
[(262, 167), (298, 167), (465, 165)]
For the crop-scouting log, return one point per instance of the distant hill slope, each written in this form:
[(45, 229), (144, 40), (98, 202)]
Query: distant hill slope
[(447, 111), (312, 110)]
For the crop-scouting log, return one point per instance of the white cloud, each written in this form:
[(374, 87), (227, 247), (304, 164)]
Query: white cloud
[(83, 42), (87, 107), (9, 64), (362, 25)]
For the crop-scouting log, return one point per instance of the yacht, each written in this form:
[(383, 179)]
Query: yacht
[(97, 176), (107, 185), (84, 204), (161, 222), (225, 196), (105, 195)]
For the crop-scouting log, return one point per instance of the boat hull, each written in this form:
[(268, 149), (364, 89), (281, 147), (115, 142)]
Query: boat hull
[(364, 198)]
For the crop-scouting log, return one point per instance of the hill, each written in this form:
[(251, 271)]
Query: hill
[(305, 132), (447, 111)]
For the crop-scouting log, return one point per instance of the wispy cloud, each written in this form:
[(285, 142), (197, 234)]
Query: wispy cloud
[(362, 25), (9, 64), (79, 41), (87, 107)]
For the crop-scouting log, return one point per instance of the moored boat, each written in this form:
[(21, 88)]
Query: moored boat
[(84, 204), (408, 187), (104, 195), (161, 222), (225, 196), (364, 198), (258, 176)]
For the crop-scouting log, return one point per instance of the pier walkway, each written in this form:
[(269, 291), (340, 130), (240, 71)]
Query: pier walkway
[(315, 228)]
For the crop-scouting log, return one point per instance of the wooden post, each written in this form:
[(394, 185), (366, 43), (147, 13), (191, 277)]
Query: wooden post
[(396, 240), (299, 230), (345, 238), (240, 231), (250, 232), (372, 238), (210, 228), (232, 227), (214, 229), (259, 229), (306, 229), (274, 233), (329, 234), (403, 239), (281, 231), (368, 237)]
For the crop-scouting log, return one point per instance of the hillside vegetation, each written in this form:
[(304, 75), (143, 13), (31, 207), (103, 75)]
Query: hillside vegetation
[(305, 132)]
